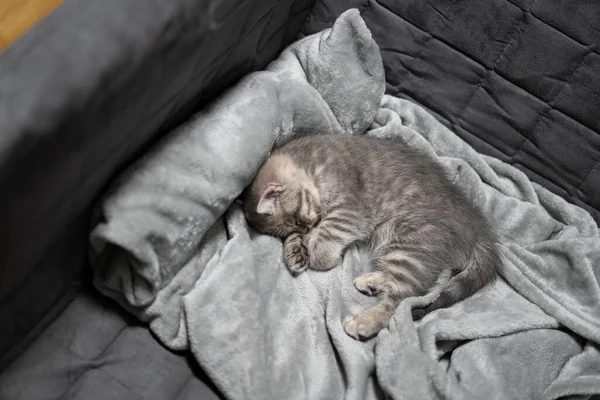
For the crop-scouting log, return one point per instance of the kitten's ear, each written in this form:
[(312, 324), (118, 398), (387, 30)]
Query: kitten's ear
[(266, 204)]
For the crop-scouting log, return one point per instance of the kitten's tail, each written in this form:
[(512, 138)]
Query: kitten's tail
[(482, 268)]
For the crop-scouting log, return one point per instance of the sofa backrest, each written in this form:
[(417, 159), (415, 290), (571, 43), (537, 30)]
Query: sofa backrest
[(82, 94), (517, 79)]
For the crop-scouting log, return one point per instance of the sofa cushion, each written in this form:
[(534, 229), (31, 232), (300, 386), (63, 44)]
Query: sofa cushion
[(93, 351), (518, 80)]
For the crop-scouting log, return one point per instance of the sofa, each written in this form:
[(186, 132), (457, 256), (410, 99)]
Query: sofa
[(92, 86)]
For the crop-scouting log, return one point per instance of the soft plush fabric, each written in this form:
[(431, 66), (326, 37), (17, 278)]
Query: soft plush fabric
[(148, 228), (173, 248), (516, 79), (82, 95), (535, 334)]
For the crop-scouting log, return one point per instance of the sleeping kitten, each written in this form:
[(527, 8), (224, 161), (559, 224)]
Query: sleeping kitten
[(322, 193)]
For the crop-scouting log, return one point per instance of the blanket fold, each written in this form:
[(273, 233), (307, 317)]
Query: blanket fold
[(171, 246)]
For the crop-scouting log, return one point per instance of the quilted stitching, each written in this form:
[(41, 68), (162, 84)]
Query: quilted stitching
[(518, 80), (73, 359)]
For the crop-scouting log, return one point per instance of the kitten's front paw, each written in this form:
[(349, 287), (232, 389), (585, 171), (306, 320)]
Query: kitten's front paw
[(362, 326), (324, 255), (295, 254)]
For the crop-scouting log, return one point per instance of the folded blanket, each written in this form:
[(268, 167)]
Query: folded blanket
[(170, 244)]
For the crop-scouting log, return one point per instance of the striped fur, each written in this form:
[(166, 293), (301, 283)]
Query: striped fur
[(322, 193)]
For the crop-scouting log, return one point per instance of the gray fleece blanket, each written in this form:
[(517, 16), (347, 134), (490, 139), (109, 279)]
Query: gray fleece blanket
[(170, 244)]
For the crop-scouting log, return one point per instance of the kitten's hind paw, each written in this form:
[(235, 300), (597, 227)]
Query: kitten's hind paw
[(370, 283), (295, 254), (362, 326)]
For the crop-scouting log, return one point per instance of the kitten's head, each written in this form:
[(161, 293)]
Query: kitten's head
[(279, 209)]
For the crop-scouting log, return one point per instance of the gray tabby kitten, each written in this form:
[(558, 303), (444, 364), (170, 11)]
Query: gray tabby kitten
[(322, 193)]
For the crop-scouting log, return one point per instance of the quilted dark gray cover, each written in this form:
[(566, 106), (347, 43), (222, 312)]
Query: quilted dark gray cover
[(90, 352), (517, 79), (83, 94)]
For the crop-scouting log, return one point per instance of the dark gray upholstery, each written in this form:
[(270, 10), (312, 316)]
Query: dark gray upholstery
[(517, 79), (82, 94), (92, 352)]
